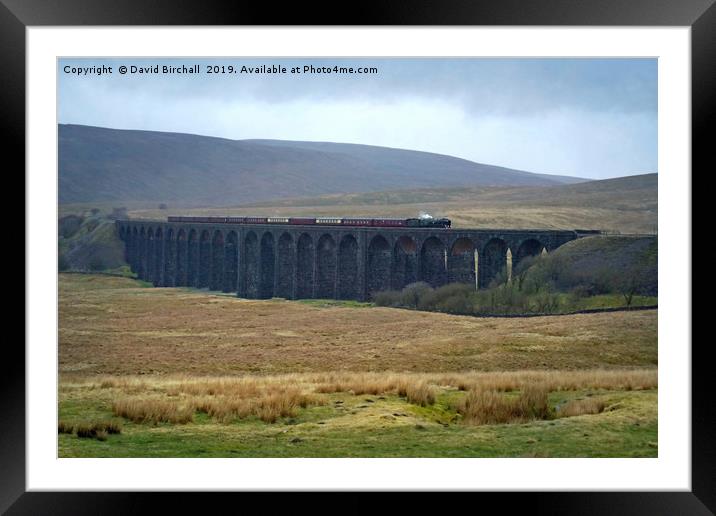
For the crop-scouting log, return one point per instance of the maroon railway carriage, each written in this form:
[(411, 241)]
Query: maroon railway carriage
[(301, 221), (321, 221)]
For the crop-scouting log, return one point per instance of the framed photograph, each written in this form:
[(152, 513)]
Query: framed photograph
[(391, 256)]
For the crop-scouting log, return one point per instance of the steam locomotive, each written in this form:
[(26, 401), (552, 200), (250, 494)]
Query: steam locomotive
[(421, 222)]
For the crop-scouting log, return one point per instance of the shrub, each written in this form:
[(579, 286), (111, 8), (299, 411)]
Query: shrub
[(546, 303), (454, 289), (387, 298), (428, 301), (455, 305), (528, 295), (65, 428), (413, 293), (579, 292), (441, 298), (545, 274), (519, 273), (506, 298), (499, 279)]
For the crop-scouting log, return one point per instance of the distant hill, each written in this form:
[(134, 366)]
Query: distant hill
[(110, 165), (631, 192), (625, 205)]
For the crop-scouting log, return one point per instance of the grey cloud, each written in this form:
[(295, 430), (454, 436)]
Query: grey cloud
[(582, 117), (488, 86)]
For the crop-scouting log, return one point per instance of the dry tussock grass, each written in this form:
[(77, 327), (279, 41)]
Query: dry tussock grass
[(628, 379), (175, 399), (378, 383), (90, 432), (242, 387), (224, 409), (64, 427), (484, 407), (581, 407), (122, 382), (269, 407), (415, 388), (152, 411), (359, 384), (98, 430), (223, 398), (371, 383), (420, 393), (283, 404)]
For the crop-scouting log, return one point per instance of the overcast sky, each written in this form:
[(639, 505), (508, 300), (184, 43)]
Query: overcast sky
[(593, 118)]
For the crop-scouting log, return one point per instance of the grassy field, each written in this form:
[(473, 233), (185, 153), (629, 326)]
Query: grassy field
[(626, 205), (88, 240), (190, 373)]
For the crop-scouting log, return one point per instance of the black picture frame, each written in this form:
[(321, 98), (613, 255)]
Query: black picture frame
[(700, 15)]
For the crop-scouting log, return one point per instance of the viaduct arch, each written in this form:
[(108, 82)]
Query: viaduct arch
[(263, 261)]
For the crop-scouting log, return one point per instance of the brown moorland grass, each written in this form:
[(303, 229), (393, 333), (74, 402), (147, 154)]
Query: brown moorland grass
[(615, 379), (90, 429), (176, 398), (90, 432), (268, 408), (579, 407), (97, 430), (373, 383), (158, 354), (223, 399), (462, 215), (484, 407), (152, 411), (379, 383), (111, 326), (420, 393), (625, 204)]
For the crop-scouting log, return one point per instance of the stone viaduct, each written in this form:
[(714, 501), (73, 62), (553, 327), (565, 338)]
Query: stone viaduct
[(294, 262)]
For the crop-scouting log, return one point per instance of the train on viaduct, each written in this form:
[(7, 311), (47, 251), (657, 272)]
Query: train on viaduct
[(315, 261)]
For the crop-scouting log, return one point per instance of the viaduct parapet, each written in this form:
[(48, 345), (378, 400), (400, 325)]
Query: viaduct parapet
[(263, 261)]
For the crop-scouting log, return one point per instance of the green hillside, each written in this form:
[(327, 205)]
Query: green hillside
[(89, 242), (599, 265)]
